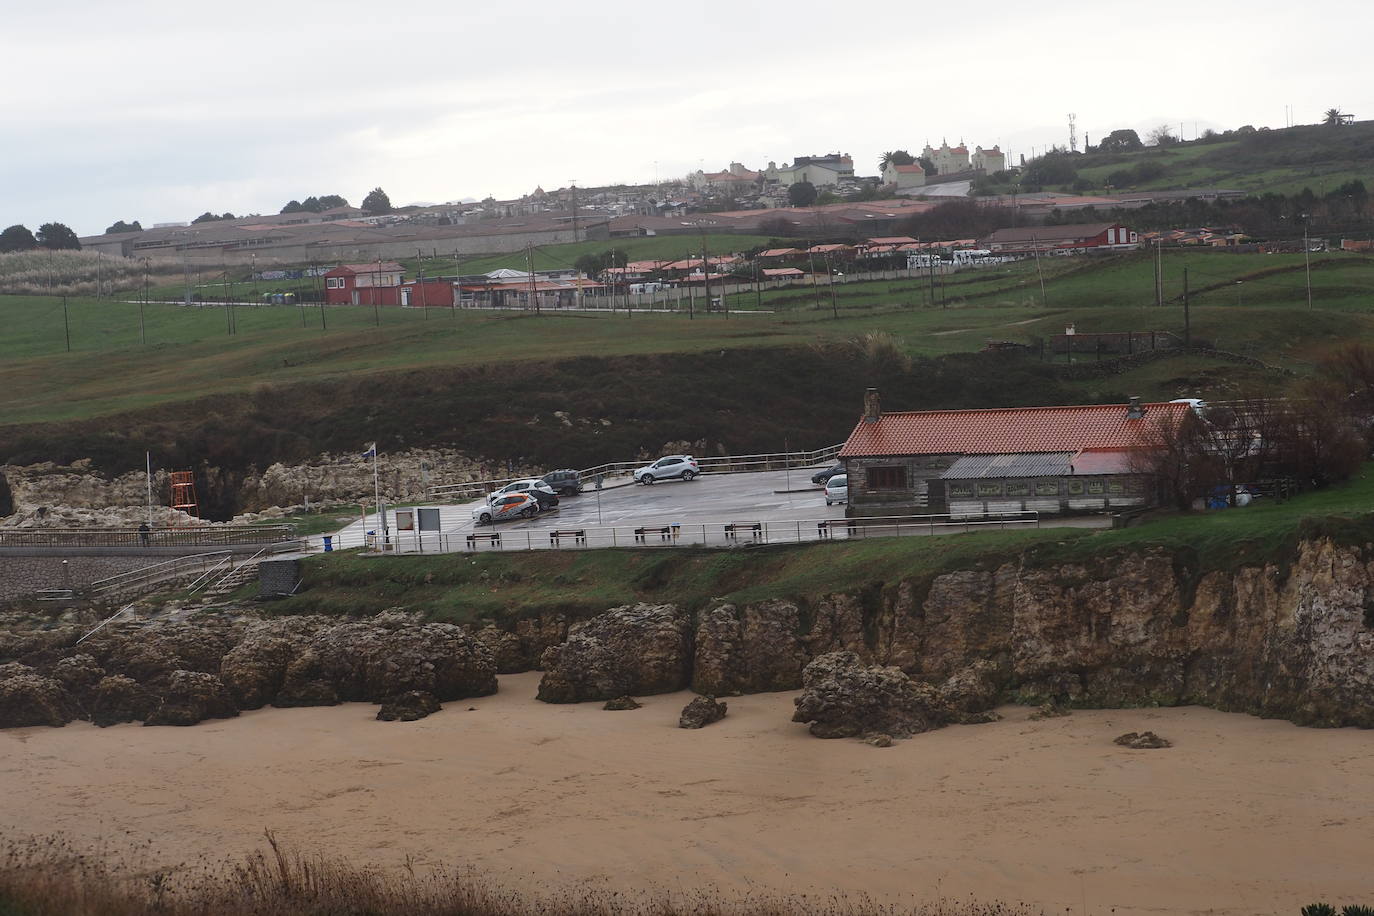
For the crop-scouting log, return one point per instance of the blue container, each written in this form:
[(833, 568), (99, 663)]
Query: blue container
[(329, 543)]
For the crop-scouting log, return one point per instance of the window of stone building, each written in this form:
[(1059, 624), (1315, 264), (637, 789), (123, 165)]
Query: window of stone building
[(887, 477)]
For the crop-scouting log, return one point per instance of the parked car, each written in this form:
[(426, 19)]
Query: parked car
[(820, 477), (504, 508), (546, 501), (564, 482), (683, 467), (520, 486), (837, 489)]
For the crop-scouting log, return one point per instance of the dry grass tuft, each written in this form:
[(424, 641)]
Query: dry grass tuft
[(49, 877), (44, 272)]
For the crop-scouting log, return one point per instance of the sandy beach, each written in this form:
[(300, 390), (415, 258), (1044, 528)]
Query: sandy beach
[(1242, 815)]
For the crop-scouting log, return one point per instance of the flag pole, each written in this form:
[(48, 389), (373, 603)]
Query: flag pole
[(377, 492), (148, 458)]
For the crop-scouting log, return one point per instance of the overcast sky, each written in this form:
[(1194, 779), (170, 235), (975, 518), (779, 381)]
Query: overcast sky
[(158, 111)]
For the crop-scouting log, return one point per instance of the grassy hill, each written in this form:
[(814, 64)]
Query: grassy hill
[(1281, 161), (1252, 304)]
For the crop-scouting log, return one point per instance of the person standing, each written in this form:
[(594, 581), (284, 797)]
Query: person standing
[(143, 532)]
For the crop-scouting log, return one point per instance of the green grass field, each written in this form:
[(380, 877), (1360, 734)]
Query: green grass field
[(190, 353)]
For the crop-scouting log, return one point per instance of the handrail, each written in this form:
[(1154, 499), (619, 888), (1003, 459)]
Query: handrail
[(105, 621), (205, 536), (99, 585), (232, 571), (718, 464), (205, 576)]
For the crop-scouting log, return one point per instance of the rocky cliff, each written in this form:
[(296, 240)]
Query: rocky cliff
[(1292, 640)]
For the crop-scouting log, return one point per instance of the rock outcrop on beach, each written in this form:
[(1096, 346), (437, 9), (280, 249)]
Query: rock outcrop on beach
[(170, 673), (701, 712), (1142, 741), (189, 697), (844, 698), (638, 649), (28, 698), (409, 707), (753, 649)]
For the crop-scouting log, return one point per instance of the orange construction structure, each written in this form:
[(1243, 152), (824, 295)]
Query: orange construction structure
[(184, 492)]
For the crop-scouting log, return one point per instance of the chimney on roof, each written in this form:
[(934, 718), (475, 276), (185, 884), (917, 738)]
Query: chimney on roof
[(873, 411), (1134, 411)]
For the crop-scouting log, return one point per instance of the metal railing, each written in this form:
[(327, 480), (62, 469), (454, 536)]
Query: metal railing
[(207, 536), (732, 532), (155, 574), (720, 464)]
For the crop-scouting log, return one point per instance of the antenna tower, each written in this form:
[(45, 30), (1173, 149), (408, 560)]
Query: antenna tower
[(1073, 133)]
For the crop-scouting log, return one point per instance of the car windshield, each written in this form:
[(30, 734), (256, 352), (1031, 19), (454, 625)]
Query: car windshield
[(839, 480)]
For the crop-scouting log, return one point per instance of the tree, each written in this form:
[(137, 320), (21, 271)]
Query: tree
[(1051, 168), (121, 226), (895, 157), (1160, 136), (330, 201), (801, 194), (292, 206), (376, 202), (928, 167), (1124, 140), (17, 238), (57, 236), (1334, 117)]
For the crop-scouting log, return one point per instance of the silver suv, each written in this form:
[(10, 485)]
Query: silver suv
[(682, 467)]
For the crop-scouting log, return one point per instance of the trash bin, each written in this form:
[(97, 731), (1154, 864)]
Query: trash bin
[(329, 543)]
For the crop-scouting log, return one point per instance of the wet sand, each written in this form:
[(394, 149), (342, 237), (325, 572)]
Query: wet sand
[(1242, 815)]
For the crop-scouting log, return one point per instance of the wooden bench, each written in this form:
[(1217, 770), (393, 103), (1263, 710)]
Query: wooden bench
[(733, 529), (664, 532), (579, 536), (494, 539)]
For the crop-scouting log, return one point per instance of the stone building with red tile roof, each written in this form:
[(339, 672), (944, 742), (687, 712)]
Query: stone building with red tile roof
[(1004, 460)]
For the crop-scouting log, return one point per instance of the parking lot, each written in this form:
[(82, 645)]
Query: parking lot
[(713, 510)]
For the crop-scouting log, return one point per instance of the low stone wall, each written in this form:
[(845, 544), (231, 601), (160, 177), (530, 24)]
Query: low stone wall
[(21, 576)]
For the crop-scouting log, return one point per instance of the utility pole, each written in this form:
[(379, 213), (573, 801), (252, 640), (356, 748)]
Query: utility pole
[(573, 183), (830, 277), (376, 292), (1035, 246), (758, 290), (66, 325), (529, 262), (705, 267), (1307, 255), (1187, 322), (315, 270), (811, 257)]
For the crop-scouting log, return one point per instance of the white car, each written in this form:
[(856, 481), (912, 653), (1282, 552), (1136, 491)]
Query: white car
[(520, 486), (505, 508), (837, 489), (683, 467)]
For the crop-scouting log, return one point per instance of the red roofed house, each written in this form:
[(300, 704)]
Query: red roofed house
[(1003, 460), (1062, 239), (375, 283), (904, 176)]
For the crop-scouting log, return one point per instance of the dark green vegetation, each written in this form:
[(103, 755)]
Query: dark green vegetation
[(1318, 157), (495, 586)]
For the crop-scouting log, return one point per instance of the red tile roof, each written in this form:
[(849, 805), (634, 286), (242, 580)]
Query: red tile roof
[(1008, 430)]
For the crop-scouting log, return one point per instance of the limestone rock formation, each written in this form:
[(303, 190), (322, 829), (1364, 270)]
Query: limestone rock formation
[(701, 712), (119, 699), (844, 698), (753, 649), (506, 650), (190, 697), (31, 699), (1142, 741), (637, 649), (408, 707), (972, 692), (621, 704)]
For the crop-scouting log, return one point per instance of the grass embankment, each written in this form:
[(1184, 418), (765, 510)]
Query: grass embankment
[(191, 354), (49, 878), (500, 586), (1279, 161)]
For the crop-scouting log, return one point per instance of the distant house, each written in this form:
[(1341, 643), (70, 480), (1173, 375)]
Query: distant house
[(1065, 239), (377, 283), (948, 160), (821, 171), (783, 273), (779, 254), (904, 176), (989, 160), (1003, 460)]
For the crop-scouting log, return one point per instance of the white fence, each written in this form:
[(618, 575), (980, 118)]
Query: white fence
[(721, 533)]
